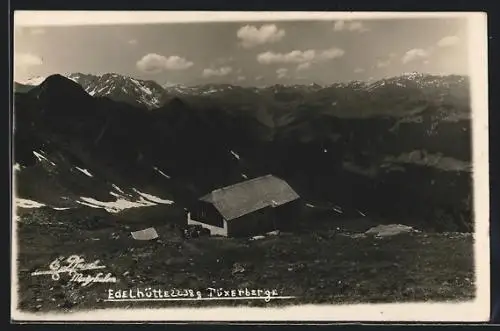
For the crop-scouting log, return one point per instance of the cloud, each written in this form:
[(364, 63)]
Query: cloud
[(352, 26), (414, 54), (282, 72), (252, 36), (241, 78), (359, 70), (132, 41), (37, 31), (304, 66), (291, 57), (154, 63), (26, 60), (177, 63), (448, 41), (298, 57), (259, 77), (383, 63), (218, 72), (331, 53)]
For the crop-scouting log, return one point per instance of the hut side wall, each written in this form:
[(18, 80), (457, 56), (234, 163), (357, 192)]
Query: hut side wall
[(258, 222), (205, 212), (214, 230)]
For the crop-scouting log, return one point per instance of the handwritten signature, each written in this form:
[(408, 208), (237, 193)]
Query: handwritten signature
[(74, 266)]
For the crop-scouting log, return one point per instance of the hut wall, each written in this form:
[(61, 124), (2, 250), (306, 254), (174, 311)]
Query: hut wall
[(258, 222), (205, 212)]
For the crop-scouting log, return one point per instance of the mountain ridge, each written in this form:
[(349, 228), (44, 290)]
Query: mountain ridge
[(37, 80), (152, 95)]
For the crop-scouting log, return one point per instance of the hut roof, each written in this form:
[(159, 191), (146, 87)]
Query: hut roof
[(246, 197)]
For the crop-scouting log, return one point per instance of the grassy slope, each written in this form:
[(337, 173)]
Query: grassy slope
[(324, 266)]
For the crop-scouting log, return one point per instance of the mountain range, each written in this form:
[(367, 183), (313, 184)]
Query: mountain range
[(152, 95), (398, 148)]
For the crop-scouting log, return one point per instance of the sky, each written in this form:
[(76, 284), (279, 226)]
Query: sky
[(246, 53)]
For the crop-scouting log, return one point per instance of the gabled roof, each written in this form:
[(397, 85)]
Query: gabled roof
[(246, 197)]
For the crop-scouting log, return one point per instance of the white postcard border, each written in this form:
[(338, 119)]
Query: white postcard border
[(474, 311)]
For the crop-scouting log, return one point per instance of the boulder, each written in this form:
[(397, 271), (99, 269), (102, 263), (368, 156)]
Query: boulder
[(389, 230)]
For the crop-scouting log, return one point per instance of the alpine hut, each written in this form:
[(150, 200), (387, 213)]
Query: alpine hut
[(247, 208)]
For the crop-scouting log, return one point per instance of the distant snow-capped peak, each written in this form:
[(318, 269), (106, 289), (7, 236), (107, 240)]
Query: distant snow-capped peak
[(169, 84), (412, 75), (115, 86), (33, 81), (207, 89), (121, 88), (37, 80)]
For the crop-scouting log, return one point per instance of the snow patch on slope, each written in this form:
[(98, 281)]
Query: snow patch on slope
[(118, 188), (153, 198), (26, 203), (114, 206), (337, 209), (235, 155), (161, 172), (120, 204), (39, 155), (142, 87), (84, 171)]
